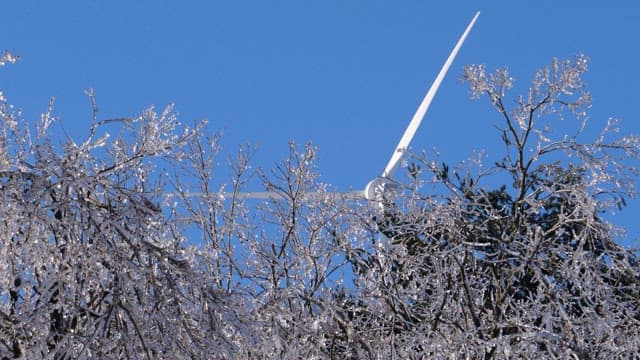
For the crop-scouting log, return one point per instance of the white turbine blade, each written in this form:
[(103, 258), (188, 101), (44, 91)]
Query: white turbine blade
[(422, 109), (274, 195), (258, 195)]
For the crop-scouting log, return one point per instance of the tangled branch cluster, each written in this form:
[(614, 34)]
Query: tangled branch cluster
[(127, 246)]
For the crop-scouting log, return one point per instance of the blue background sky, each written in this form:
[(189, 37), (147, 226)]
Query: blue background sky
[(347, 75)]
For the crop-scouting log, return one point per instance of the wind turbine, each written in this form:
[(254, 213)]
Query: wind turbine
[(382, 185)]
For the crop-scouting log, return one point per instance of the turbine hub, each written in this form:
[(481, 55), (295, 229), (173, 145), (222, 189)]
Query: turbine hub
[(380, 189)]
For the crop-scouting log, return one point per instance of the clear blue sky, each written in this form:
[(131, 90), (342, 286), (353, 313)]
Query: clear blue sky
[(347, 75)]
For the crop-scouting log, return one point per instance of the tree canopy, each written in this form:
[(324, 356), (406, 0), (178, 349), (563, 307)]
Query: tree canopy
[(127, 246)]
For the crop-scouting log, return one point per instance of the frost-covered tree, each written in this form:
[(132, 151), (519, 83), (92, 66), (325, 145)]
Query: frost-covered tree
[(528, 269), (128, 244), (91, 266)]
